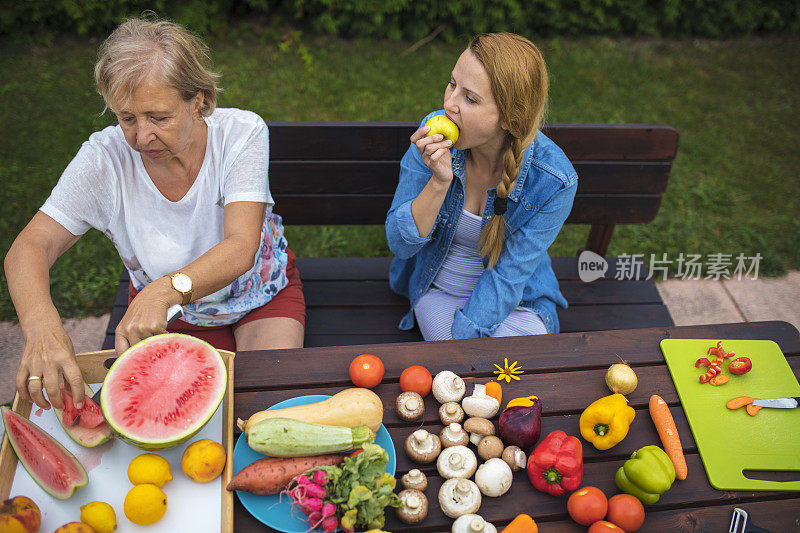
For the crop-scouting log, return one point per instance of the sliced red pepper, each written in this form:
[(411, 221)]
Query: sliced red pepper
[(703, 361), (712, 351)]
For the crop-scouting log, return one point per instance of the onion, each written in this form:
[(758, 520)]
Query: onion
[(621, 378)]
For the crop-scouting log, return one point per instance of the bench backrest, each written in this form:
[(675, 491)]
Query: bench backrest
[(333, 173)]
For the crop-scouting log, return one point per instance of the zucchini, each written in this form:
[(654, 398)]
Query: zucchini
[(285, 437)]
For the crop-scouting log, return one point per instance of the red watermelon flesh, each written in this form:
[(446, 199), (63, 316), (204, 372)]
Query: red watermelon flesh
[(90, 414), (50, 465), (162, 390)]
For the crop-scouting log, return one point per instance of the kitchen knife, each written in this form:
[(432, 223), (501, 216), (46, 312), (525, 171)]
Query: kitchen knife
[(173, 313), (779, 403)]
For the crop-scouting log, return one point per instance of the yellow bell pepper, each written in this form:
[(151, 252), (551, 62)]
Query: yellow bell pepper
[(525, 401), (605, 422)]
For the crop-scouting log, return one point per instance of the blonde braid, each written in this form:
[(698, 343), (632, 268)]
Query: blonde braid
[(492, 237)]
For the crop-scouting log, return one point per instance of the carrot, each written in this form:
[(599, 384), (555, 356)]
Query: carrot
[(753, 409), (271, 474), (665, 424), (721, 379), (494, 390), (521, 524), (739, 401)]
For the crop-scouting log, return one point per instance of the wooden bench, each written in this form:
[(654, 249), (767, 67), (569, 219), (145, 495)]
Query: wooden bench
[(345, 173)]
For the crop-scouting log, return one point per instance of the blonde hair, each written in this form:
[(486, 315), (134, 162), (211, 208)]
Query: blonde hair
[(141, 47), (519, 82)]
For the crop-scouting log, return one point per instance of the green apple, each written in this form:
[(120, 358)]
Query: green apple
[(443, 125)]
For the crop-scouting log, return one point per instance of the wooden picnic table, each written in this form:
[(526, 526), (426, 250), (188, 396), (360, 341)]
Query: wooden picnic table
[(567, 372)]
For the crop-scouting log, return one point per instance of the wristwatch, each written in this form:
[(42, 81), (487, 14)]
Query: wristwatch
[(183, 284)]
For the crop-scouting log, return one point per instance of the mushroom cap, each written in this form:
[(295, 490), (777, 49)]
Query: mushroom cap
[(479, 426), (415, 506), (515, 458), (453, 435), (456, 462), (448, 387), (425, 452), (458, 497), (410, 406), (494, 477), (451, 412), (480, 404), (489, 447), (472, 523), (414, 479)]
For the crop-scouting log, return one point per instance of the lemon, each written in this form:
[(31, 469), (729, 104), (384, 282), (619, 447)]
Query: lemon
[(203, 460), (149, 468), (100, 516), (444, 126), (145, 504)]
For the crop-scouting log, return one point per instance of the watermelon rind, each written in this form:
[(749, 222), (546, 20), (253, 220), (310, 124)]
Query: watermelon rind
[(86, 437), (64, 455), (108, 403)]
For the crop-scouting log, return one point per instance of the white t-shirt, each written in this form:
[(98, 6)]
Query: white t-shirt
[(107, 187)]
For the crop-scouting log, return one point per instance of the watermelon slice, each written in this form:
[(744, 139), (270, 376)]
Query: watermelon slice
[(163, 390), (91, 429), (50, 465)]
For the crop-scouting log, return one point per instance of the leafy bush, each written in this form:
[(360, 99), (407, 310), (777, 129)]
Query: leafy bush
[(413, 19)]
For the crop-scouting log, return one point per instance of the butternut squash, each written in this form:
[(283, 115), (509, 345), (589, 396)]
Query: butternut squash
[(350, 408)]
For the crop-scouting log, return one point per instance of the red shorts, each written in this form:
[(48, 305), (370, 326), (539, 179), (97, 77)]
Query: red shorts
[(289, 302)]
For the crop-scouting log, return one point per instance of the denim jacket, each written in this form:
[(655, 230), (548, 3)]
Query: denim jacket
[(523, 276)]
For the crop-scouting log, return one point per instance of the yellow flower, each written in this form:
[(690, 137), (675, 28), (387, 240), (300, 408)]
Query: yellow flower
[(507, 372)]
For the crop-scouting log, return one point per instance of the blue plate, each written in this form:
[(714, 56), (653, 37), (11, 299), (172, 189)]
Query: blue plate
[(267, 509)]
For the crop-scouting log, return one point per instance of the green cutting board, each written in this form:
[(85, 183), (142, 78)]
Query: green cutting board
[(732, 441)]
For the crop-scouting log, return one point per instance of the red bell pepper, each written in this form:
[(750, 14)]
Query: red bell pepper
[(556, 464)]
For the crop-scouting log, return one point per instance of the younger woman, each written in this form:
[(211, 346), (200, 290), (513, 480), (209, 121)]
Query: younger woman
[(470, 223)]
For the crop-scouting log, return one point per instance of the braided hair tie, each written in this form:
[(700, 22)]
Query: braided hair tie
[(500, 206)]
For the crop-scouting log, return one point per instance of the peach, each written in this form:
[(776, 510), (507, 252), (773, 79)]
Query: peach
[(20, 515)]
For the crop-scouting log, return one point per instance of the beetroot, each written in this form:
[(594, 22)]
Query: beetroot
[(521, 425)]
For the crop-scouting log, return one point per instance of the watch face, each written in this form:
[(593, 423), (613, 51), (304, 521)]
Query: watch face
[(182, 283)]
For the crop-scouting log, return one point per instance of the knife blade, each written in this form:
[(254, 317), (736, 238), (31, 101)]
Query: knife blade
[(173, 313), (779, 403)]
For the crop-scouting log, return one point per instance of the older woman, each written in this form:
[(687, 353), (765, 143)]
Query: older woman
[(181, 189)]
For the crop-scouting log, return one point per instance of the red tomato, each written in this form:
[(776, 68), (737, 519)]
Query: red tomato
[(587, 505), (416, 379), (605, 527), (366, 371), (626, 511)]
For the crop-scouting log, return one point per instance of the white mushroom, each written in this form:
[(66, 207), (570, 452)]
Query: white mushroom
[(515, 458), (454, 435), (456, 462), (414, 480), (480, 404), (448, 387), (494, 477), (422, 447), (472, 523), (458, 497), (414, 508), (478, 428), (410, 406), (490, 447), (451, 412)]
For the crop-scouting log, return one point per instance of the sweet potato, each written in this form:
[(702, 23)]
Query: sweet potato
[(739, 401), (271, 474)]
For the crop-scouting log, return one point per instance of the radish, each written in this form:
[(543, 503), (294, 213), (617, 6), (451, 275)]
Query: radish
[(315, 491), (314, 518), (329, 524), (303, 480), (320, 478), (329, 509), (315, 504)]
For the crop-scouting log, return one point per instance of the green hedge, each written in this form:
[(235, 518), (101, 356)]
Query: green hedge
[(413, 19)]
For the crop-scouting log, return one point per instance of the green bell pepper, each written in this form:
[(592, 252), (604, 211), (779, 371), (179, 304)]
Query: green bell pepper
[(646, 475)]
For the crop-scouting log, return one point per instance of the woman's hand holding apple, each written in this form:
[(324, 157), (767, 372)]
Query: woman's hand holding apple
[(435, 152)]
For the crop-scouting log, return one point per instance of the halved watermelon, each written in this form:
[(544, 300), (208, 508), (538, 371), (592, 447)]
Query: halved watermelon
[(91, 429), (50, 464), (163, 390)]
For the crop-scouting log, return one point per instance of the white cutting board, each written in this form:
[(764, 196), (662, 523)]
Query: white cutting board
[(195, 507)]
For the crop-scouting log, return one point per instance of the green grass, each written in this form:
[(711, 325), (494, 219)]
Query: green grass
[(733, 189)]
